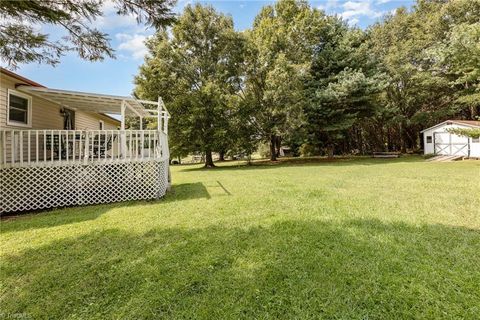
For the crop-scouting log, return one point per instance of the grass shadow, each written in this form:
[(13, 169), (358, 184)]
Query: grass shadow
[(53, 217), (58, 217), (356, 269), (187, 191)]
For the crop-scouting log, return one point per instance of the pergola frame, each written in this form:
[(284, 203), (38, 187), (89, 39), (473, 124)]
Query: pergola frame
[(102, 103)]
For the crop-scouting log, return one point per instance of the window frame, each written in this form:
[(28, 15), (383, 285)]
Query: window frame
[(29, 109), (431, 139)]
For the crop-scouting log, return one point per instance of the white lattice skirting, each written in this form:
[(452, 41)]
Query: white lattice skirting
[(31, 188)]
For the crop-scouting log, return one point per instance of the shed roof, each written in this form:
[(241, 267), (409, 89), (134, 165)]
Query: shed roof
[(469, 123)]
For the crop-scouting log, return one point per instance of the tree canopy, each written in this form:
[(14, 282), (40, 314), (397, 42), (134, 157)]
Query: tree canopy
[(21, 42), (305, 80), (196, 69)]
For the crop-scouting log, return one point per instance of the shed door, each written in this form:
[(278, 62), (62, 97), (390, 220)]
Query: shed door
[(450, 144)]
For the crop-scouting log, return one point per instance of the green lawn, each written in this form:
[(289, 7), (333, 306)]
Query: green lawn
[(352, 239)]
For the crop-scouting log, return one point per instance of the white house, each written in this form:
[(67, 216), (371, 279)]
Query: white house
[(437, 140), (61, 148)]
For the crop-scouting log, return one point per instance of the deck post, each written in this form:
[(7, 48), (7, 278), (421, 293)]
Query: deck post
[(159, 114), (86, 148), (123, 143)]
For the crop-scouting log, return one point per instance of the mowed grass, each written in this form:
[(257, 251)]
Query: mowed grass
[(350, 239)]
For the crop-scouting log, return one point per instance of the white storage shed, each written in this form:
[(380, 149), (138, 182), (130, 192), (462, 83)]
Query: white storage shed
[(437, 140)]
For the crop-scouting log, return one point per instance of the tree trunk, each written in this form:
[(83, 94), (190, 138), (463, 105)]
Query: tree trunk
[(273, 153), (209, 159), (278, 144), (403, 145), (221, 156), (179, 160), (330, 151)]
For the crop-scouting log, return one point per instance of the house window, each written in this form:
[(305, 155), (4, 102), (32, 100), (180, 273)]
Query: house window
[(19, 109), (429, 139), (476, 140), (101, 125)]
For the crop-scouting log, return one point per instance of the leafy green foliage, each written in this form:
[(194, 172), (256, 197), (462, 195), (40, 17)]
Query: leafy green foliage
[(196, 70), (458, 57), (303, 78), (279, 54), (21, 42), (416, 50), (471, 133)]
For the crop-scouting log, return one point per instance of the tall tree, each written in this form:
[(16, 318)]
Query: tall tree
[(420, 92), (21, 42), (343, 85), (196, 70), (457, 58), (281, 44)]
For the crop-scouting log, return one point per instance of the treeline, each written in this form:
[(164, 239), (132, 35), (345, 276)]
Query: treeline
[(309, 81)]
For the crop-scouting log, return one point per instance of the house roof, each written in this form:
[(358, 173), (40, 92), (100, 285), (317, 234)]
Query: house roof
[(469, 123), (19, 77)]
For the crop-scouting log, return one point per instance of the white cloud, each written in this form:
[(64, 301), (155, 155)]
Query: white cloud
[(329, 5), (383, 1), (354, 9), (134, 44), (111, 20)]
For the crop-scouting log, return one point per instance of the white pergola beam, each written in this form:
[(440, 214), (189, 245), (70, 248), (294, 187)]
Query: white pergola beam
[(92, 102)]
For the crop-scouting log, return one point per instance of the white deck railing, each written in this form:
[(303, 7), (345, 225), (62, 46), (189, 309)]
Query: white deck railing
[(21, 148)]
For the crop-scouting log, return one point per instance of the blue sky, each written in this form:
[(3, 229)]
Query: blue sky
[(115, 76)]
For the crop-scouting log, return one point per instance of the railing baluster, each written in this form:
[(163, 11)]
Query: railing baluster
[(106, 146), (20, 137), (130, 149), (119, 148), (4, 147), (74, 142), (136, 145), (59, 145), (86, 148), (149, 144), (44, 145), (66, 144), (36, 146), (12, 147), (98, 147), (79, 144), (142, 144), (92, 144), (28, 146), (52, 143)]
